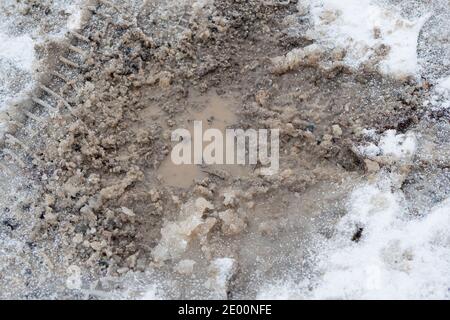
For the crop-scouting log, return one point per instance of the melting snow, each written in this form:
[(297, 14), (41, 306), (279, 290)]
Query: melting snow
[(74, 20), (362, 27), (398, 146), (17, 50), (397, 256)]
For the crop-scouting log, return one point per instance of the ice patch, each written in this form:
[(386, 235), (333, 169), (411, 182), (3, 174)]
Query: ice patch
[(362, 28), (176, 235)]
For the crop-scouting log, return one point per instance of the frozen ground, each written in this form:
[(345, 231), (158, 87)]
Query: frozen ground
[(387, 235)]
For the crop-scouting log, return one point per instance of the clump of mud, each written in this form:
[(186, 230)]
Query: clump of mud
[(140, 70)]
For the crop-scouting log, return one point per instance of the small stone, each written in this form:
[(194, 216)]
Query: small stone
[(49, 200), (122, 270), (204, 35), (131, 260), (261, 97), (202, 205), (154, 195), (232, 224), (286, 174), (78, 238), (229, 198), (203, 191), (371, 166), (308, 135), (50, 218), (290, 130), (311, 127), (128, 212), (97, 245), (165, 79), (337, 131), (326, 141), (376, 33)]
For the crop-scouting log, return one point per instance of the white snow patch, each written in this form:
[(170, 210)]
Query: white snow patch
[(397, 146), (443, 86), (397, 256), (369, 133), (17, 50), (75, 17), (16, 68), (440, 98), (361, 27), (18, 38), (369, 150), (151, 293)]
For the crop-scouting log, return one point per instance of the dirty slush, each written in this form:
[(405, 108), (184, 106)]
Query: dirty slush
[(103, 211)]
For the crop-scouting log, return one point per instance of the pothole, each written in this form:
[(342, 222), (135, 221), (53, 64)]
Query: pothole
[(113, 201)]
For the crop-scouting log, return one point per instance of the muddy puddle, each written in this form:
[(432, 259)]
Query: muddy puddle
[(214, 112)]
